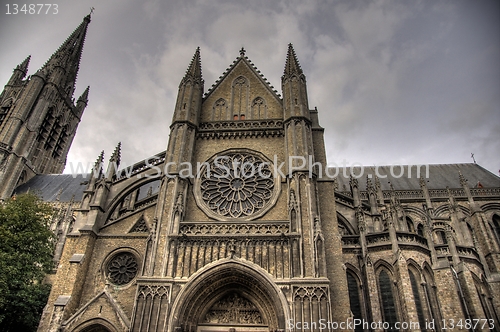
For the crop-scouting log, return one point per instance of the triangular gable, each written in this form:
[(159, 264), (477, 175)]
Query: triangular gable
[(256, 90), (140, 226), (106, 302)]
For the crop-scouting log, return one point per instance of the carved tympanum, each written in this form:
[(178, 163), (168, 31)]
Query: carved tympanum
[(233, 309)]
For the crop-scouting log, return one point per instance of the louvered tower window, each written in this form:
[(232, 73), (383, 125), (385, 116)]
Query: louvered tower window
[(52, 137), (60, 142)]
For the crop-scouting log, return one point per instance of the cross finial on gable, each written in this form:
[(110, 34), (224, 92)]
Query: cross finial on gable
[(242, 51)]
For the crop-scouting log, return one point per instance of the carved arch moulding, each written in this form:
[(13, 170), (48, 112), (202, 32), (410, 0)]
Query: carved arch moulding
[(230, 292)]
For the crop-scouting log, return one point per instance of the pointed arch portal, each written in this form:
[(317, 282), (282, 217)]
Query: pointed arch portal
[(230, 296)]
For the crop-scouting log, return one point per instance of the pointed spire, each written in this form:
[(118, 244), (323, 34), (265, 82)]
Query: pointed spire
[(115, 157), (19, 72), (99, 161), (194, 69), (463, 180), (96, 172), (68, 55), (23, 66), (369, 185), (292, 65), (85, 95)]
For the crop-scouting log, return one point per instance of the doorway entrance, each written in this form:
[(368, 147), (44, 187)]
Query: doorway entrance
[(230, 297)]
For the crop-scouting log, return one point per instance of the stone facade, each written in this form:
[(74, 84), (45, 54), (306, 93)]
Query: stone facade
[(193, 240)]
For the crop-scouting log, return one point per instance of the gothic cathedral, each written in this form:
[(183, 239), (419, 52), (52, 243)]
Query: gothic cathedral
[(236, 227)]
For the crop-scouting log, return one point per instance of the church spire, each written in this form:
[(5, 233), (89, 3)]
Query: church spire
[(293, 85), (194, 69), (114, 163), (190, 95), (67, 57), (23, 66), (85, 95), (20, 72), (115, 157), (292, 65)]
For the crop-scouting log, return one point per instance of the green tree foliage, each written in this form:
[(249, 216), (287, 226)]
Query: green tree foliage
[(26, 248)]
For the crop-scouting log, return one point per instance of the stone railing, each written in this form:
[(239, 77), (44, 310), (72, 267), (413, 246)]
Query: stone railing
[(463, 252), (350, 240), (231, 228), (434, 193), (442, 250), (485, 191), (403, 238), (241, 128), (130, 171), (468, 252), (405, 194), (411, 238), (146, 201), (377, 239), (124, 211)]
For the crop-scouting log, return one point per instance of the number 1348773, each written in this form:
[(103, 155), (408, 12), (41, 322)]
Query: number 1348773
[(32, 9)]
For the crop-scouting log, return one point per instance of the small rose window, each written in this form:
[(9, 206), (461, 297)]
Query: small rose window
[(122, 268)]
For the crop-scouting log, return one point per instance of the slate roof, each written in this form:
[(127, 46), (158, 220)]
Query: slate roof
[(53, 187), (440, 176), (65, 186)]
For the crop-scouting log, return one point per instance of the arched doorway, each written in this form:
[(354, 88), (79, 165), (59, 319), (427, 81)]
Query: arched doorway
[(94, 325), (230, 296), (95, 328)]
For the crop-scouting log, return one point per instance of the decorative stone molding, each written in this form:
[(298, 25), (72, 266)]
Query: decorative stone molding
[(153, 291), (310, 292), (240, 129), (221, 229)]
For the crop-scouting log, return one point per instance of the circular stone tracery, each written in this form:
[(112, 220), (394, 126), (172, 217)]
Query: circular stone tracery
[(236, 185), (122, 268)]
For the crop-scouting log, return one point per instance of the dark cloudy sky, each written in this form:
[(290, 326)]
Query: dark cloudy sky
[(395, 82)]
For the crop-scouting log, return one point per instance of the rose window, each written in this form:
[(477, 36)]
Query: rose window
[(237, 185), (122, 268)]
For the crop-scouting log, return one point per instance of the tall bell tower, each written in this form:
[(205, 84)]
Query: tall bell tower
[(39, 116)]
